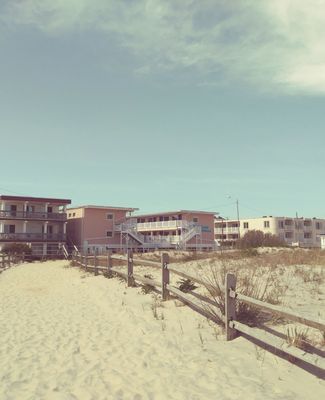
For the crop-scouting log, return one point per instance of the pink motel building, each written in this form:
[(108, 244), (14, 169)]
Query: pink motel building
[(182, 229), (96, 228)]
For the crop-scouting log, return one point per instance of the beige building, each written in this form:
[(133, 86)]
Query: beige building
[(38, 222), (303, 232)]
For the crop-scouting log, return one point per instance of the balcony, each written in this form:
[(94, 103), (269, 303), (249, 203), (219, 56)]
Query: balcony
[(27, 215), (32, 237), (161, 225)]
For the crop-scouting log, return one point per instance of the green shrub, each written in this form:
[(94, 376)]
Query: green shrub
[(255, 238), (17, 248), (186, 285)]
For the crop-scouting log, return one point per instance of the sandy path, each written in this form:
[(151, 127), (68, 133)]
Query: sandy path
[(68, 335)]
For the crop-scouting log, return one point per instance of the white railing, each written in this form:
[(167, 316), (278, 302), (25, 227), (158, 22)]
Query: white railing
[(195, 230), (227, 230), (174, 224)]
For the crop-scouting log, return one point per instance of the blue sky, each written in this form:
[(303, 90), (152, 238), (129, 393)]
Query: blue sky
[(165, 105)]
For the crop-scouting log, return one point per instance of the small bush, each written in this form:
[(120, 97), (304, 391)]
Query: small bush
[(259, 283), (146, 288), (298, 338), (186, 285), (17, 248), (255, 238)]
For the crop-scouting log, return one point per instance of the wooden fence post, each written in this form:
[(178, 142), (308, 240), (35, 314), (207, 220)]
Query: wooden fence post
[(109, 263), (86, 262), (95, 264), (230, 306), (3, 261), (130, 280), (165, 275), (9, 260)]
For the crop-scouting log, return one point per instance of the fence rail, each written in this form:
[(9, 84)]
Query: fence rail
[(233, 327), (202, 304), (8, 260), (29, 215)]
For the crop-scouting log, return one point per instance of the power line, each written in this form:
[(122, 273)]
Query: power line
[(11, 191)]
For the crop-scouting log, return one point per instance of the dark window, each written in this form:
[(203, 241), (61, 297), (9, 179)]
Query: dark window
[(9, 229)]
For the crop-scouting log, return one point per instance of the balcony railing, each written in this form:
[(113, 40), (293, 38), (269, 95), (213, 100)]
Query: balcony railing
[(33, 237), (158, 225), (28, 215)]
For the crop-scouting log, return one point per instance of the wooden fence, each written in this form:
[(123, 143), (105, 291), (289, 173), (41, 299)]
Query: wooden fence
[(8, 260), (202, 304)]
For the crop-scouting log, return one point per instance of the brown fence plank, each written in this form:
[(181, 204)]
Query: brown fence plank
[(283, 312), (278, 344), (230, 305)]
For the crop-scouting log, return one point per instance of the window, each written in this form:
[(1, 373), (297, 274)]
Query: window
[(288, 235), (281, 224), (307, 235), (266, 224), (109, 216), (49, 209), (307, 223), (74, 214), (69, 214), (13, 210), (195, 219), (109, 234), (318, 225), (245, 225), (9, 229)]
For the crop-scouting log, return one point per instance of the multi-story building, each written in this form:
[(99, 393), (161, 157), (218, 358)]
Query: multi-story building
[(303, 232), (95, 228), (36, 221), (182, 229)]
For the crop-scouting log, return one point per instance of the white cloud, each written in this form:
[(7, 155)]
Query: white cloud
[(273, 44)]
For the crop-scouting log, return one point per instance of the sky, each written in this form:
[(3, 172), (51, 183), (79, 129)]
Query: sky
[(165, 104)]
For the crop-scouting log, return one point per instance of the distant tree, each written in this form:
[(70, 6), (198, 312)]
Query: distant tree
[(256, 238)]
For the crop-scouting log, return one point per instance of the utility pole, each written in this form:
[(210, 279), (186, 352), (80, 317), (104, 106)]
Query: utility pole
[(237, 207)]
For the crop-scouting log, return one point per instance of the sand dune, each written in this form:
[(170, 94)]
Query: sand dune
[(65, 334)]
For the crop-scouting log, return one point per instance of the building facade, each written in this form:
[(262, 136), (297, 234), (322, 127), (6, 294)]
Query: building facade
[(182, 229), (93, 228), (302, 232), (96, 228), (38, 222)]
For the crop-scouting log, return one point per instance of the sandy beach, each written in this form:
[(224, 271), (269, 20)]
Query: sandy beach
[(66, 334)]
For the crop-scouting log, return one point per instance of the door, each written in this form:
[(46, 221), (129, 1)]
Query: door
[(49, 231), (9, 229), (13, 210)]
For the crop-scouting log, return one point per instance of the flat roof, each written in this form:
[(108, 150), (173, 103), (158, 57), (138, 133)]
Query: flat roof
[(175, 212), (104, 208), (36, 199), (272, 216)]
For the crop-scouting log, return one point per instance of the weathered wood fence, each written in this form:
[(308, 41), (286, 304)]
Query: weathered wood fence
[(234, 327), (8, 260), (202, 304)]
